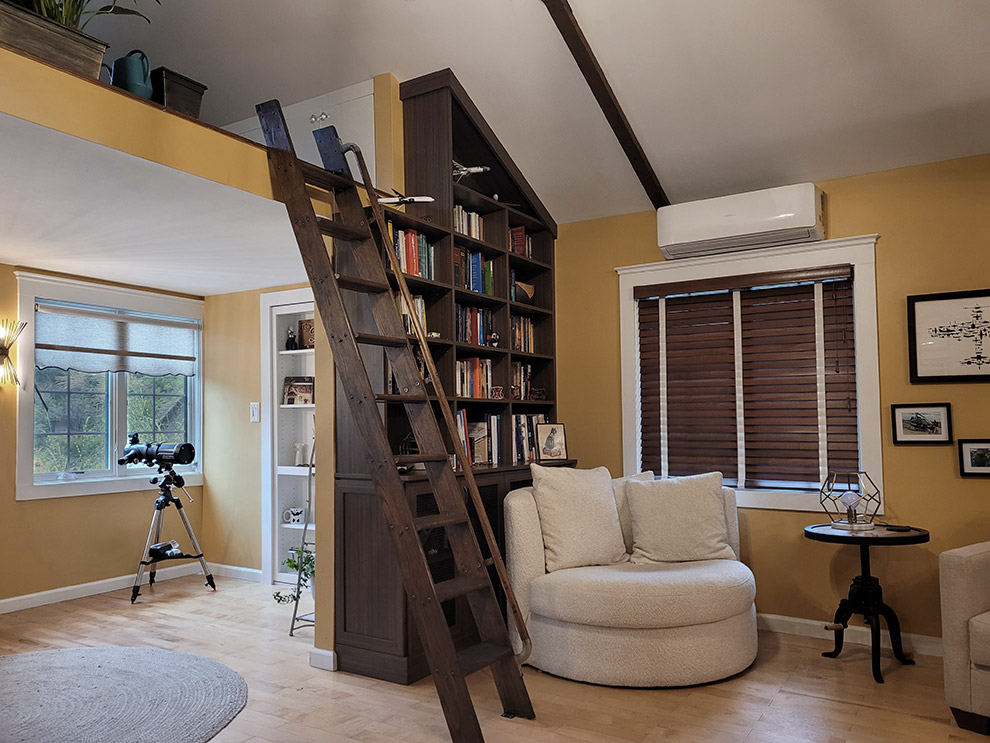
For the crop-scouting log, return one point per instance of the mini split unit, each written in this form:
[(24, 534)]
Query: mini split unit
[(757, 219)]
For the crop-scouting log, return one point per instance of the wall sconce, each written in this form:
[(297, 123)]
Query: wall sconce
[(9, 330)]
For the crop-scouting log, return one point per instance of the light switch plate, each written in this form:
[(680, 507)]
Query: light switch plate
[(255, 412)]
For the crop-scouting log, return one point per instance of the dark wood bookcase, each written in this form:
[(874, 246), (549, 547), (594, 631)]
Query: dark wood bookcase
[(374, 633)]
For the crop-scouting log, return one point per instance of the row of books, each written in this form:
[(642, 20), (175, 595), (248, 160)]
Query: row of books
[(473, 377), (524, 440), (473, 324), (521, 336), (480, 438), (418, 309), (468, 223), (473, 272), (522, 380), (414, 252), (519, 242)]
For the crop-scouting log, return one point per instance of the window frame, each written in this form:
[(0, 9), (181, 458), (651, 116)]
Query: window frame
[(31, 287), (859, 252)]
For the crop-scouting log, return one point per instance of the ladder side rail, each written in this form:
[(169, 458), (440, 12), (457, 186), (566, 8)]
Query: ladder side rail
[(462, 457), (452, 688)]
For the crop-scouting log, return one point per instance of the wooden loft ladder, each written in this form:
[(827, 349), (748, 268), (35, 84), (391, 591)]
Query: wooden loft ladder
[(368, 243)]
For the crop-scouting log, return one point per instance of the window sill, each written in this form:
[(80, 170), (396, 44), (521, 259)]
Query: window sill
[(96, 486), (783, 500)]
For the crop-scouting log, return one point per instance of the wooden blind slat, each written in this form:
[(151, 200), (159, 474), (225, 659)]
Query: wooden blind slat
[(728, 283)]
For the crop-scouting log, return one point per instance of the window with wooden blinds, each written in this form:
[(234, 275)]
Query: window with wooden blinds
[(755, 381)]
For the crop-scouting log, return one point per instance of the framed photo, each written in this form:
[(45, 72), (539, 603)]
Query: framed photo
[(551, 441), (929, 423), (949, 337), (974, 457), (298, 391)]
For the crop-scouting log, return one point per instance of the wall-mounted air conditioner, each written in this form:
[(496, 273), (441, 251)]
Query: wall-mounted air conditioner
[(757, 219)]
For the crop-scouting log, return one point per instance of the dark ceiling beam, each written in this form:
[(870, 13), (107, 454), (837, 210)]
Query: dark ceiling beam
[(563, 16)]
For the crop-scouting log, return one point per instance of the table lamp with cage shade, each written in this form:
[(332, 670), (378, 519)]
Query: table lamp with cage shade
[(851, 499)]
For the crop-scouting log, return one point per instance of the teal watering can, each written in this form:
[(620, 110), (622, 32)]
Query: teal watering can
[(132, 72)]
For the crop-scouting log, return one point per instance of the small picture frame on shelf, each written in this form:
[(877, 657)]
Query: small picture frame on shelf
[(922, 423), (551, 442), (974, 457), (298, 391), (306, 338)]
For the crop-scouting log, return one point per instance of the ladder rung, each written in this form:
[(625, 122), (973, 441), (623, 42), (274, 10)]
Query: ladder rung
[(314, 175), (417, 458), (339, 231), (461, 586), (479, 656), (402, 398), (354, 284), (437, 520), (379, 340)]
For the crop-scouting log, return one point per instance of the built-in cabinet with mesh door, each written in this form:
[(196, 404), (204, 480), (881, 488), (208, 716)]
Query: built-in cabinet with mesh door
[(479, 261)]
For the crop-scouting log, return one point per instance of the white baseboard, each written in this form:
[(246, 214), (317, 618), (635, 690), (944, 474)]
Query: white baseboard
[(233, 571), (66, 593), (856, 634), (323, 659)]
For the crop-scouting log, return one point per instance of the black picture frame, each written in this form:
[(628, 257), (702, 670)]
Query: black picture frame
[(965, 457), (963, 321), (922, 414)]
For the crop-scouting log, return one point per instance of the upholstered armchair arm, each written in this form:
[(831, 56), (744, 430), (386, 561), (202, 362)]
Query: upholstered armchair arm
[(731, 519), (964, 577), (523, 550)]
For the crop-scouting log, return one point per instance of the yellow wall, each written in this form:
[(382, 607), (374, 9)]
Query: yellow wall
[(57, 542), (933, 225)]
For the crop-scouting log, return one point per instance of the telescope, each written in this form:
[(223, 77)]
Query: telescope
[(162, 455)]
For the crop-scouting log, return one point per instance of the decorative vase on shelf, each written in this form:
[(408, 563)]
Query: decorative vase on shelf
[(300, 455)]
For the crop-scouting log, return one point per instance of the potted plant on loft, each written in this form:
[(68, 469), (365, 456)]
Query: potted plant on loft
[(52, 31)]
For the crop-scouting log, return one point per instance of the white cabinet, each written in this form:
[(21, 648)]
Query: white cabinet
[(350, 109), (287, 429)]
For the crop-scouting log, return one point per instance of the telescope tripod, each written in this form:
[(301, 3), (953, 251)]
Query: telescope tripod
[(164, 500)]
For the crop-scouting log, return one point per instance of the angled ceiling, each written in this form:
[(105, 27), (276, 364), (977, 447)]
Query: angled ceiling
[(724, 96), (72, 206)]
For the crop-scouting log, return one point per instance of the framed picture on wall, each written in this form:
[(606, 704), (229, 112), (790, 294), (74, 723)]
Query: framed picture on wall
[(551, 441), (949, 337), (974, 457), (929, 423)]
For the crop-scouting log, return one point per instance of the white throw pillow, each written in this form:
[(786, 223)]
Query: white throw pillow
[(621, 504), (578, 517), (678, 519)]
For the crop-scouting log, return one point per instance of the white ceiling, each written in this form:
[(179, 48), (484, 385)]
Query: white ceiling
[(79, 208), (724, 95)]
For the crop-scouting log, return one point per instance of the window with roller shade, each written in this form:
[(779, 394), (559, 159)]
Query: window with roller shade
[(752, 376), (96, 372)]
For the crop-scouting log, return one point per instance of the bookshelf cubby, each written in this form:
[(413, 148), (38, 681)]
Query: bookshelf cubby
[(373, 634)]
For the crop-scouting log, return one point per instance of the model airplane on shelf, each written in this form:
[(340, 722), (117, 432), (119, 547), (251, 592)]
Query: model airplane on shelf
[(399, 199), (462, 170)]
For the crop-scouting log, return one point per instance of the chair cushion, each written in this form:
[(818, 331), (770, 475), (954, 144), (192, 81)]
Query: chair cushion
[(979, 639), (622, 504), (578, 517), (679, 519), (645, 596)]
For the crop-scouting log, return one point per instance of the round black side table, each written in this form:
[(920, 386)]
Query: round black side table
[(865, 594)]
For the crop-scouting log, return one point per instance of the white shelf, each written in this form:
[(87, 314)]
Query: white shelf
[(300, 406), (310, 530), (298, 352), (293, 470)]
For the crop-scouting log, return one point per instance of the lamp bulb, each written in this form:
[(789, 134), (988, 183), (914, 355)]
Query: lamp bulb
[(850, 499)]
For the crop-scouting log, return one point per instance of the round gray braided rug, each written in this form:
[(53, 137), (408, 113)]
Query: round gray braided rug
[(116, 695)]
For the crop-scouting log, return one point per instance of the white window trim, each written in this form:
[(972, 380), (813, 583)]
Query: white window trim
[(31, 286), (856, 251)]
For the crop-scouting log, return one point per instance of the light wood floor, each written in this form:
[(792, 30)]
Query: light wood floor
[(790, 693)]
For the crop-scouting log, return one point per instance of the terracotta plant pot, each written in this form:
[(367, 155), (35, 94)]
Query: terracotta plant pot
[(50, 42)]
